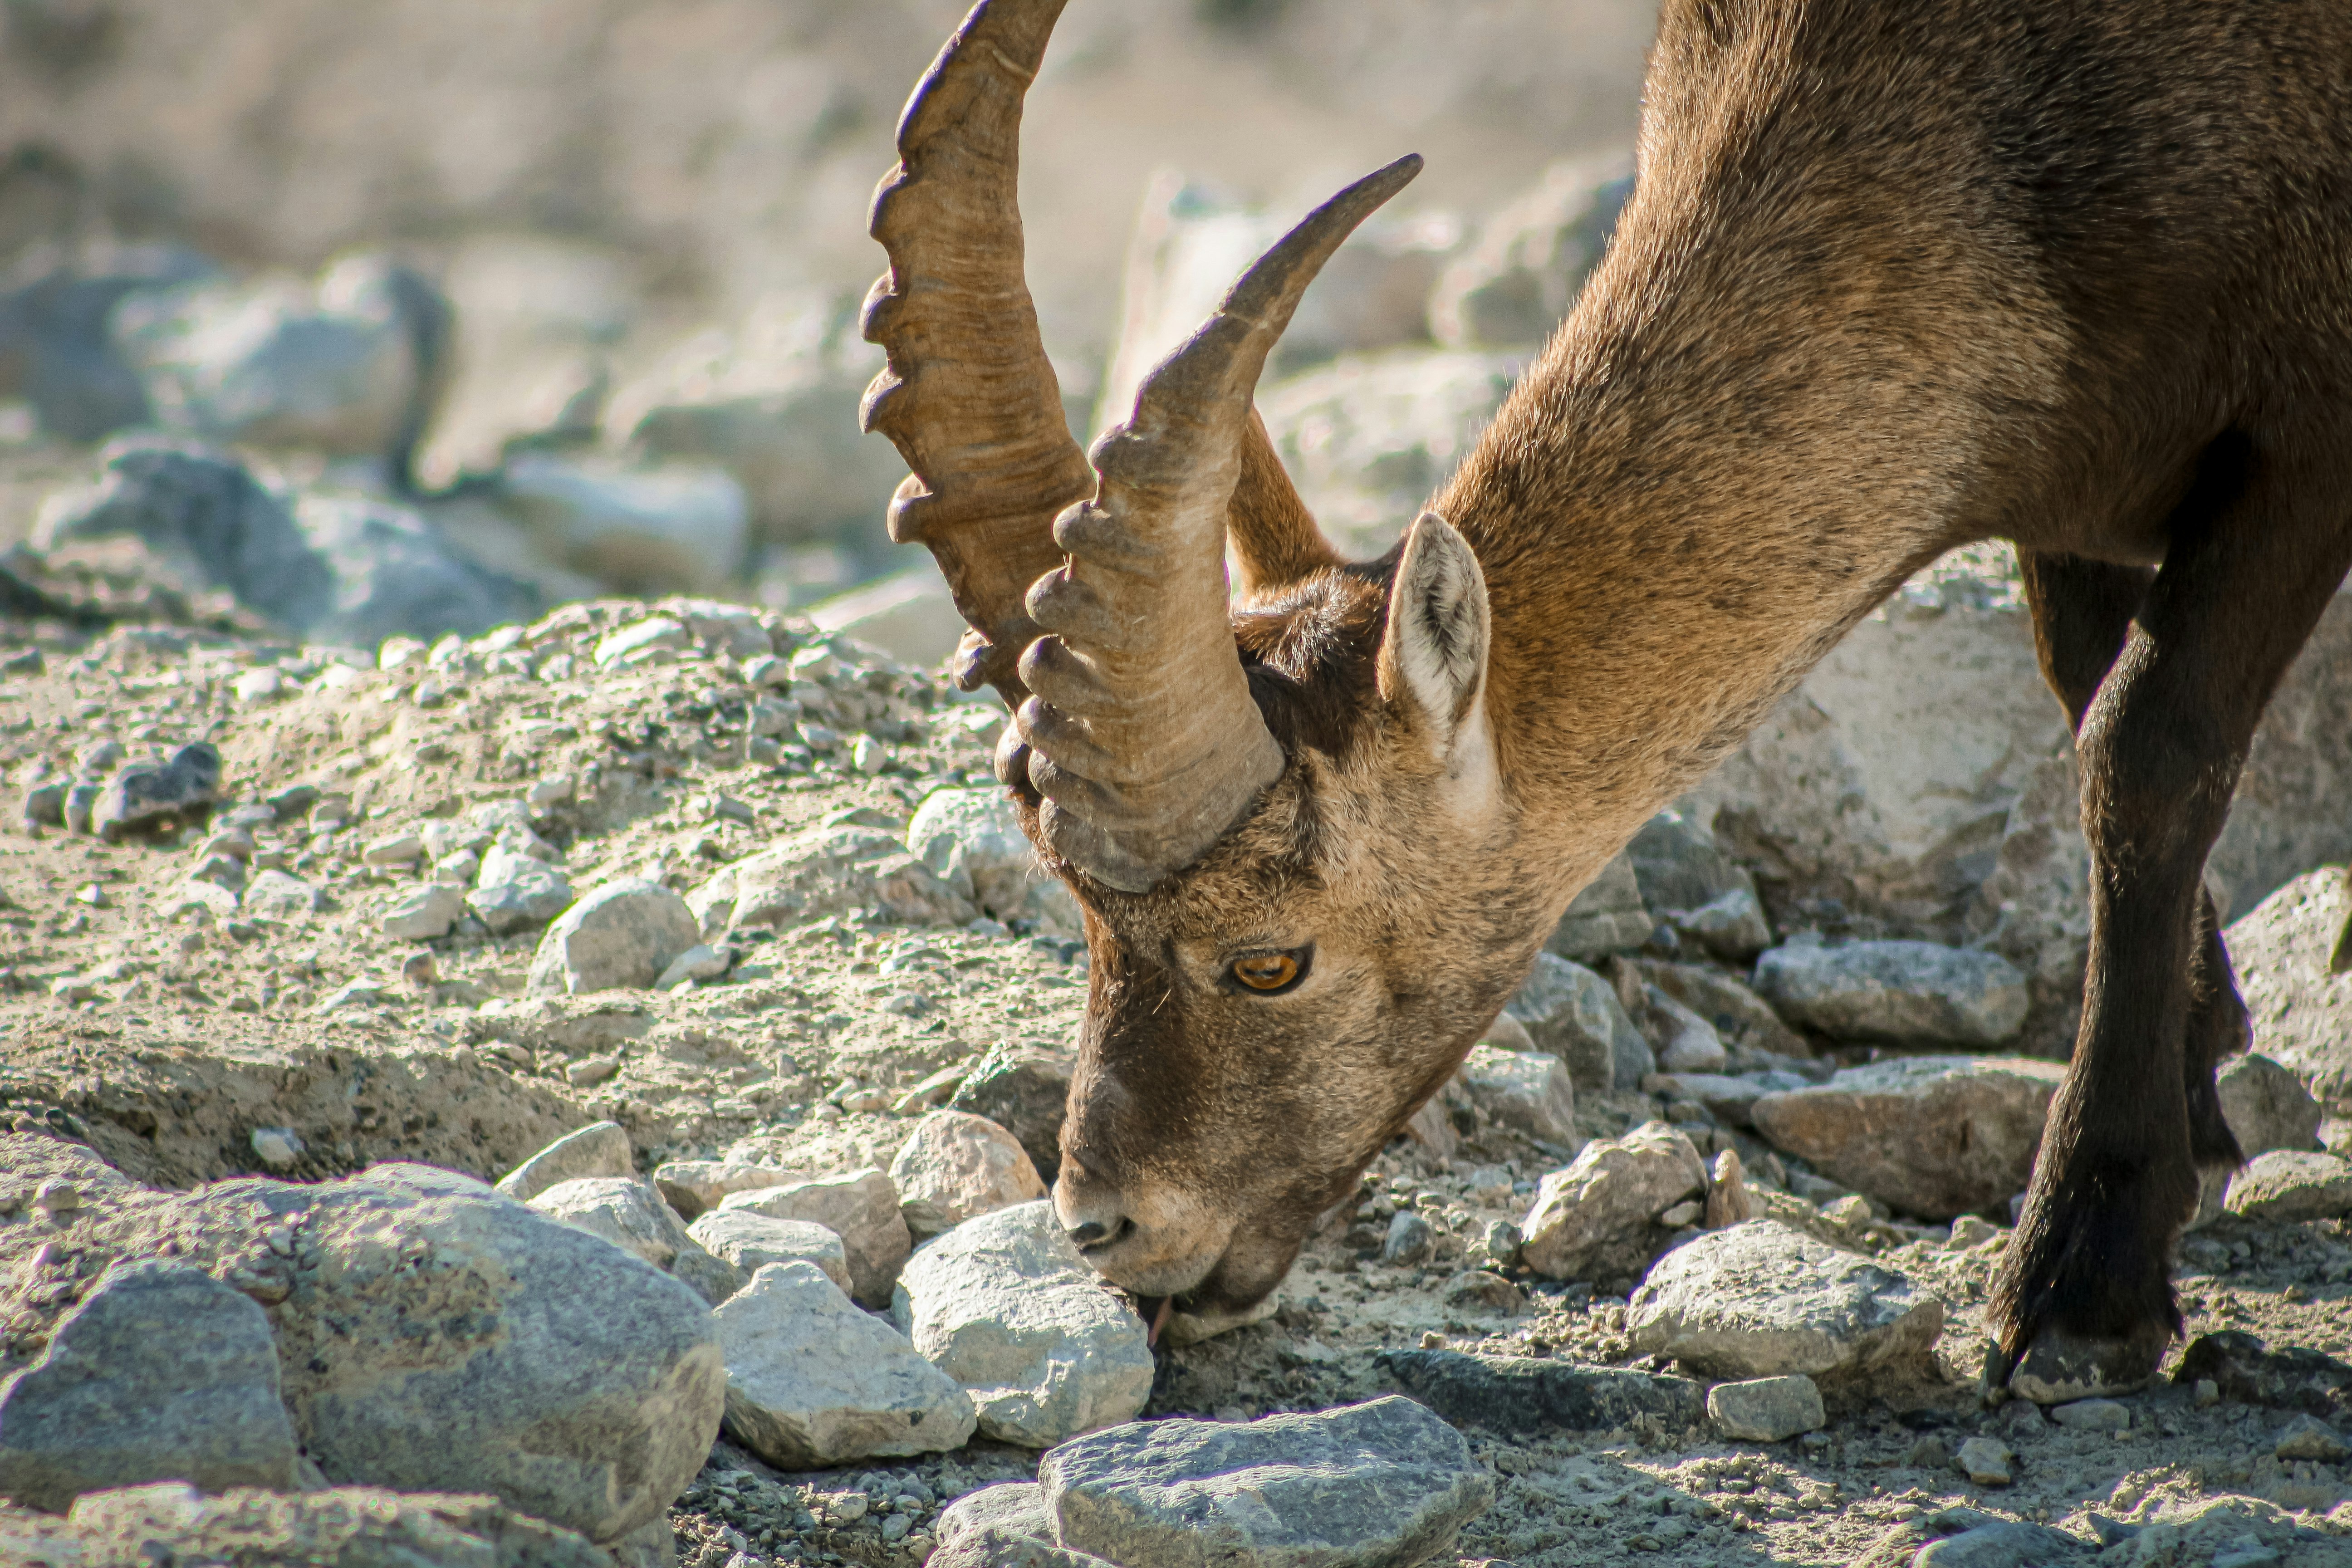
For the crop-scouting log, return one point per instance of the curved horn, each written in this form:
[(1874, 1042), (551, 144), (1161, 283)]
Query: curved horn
[(967, 396), (1144, 739)]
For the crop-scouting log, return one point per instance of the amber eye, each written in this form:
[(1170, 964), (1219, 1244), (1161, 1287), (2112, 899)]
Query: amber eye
[(1270, 972)]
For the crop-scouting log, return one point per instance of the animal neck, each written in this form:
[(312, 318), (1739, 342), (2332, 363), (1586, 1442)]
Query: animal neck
[(1727, 457)]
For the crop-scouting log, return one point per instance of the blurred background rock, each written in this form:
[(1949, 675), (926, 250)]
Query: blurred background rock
[(576, 281)]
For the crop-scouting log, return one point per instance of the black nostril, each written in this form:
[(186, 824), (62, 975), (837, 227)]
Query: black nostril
[(1094, 1233)]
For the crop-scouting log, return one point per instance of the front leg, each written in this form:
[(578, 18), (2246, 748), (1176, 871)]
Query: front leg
[(2082, 1303)]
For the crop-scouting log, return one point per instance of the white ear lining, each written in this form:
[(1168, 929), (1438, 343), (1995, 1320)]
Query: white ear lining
[(1434, 655)]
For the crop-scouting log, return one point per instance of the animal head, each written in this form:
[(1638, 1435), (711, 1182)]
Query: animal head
[(1279, 798)]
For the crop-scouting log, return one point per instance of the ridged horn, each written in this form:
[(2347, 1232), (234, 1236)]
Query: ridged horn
[(967, 395), (1144, 740)]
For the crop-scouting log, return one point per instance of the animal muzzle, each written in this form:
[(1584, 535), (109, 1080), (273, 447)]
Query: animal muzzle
[(1145, 1238)]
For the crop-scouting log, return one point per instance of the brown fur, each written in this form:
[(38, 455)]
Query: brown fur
[(1899, 275)]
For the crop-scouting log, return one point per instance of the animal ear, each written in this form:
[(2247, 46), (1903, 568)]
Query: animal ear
[(1433, 659)]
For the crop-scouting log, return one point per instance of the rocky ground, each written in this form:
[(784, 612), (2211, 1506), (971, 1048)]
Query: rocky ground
[(278, 911)]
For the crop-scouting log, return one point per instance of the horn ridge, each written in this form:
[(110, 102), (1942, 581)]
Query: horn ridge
[(1144, 784), (967, 395)]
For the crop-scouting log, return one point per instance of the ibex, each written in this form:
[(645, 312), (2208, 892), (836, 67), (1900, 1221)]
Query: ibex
[(1898, 275)]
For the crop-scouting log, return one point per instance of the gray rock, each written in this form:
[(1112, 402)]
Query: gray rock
[(570, 1378), (2092, 1416), (279, 894), (828, 871), (2308, 1437), (659, 528), (2287, 1185), (861, 1207), (1003, 1526), (598, 1149), (351, 1527), (205, 514), (145, 799), (752, 1241), (1018, 1508), (812, 1382), (1595, 1216), (1529, 1091), (1766, 1409), (1730, 1098), (693, 1187), (1607, 917), (394, 574), (43, 804), (1679, 865), (65, 362), (1741, 1020), (996, 1546), (954, 1166), (1900, 992), (161, 1373), (1685, 1041), (628, 1213), (2002, 1544), (2266, 1105), (620, 936), (1933, 1136), (1986, 1462), (785, 426), (700, 961), (911, 615), (1005, 1306), (424, 913), (1733, 926), (1573, 1014), (1520, 277), (1761, 1300), (1383, 1483), (1025, 1089), (971, 837), (276, 363), (1410, 1239), (2290, 955), (1521, 1393), (512, 890), (1369, 436)]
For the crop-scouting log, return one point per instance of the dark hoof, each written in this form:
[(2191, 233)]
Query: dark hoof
[(2059, 1368)]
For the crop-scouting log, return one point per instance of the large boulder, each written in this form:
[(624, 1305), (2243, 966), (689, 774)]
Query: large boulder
[(1006, 1306), (1920, 784), (162, 1373), (452, 1340), (57, 350), (2293, 958), (350, 1527), (1933, 1136)]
